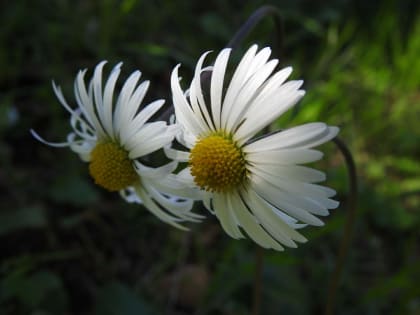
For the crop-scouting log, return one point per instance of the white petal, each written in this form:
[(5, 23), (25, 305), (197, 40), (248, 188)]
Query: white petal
[(186, 138), (295, 172), (297, 187), (216, 90), (171, 185), (130, 195), (185, 177), (147, 147), (284, 157), (304, 136), (108, 99), (132, 107), (86, 120), (145, 133), (180, 156), (236, 82), (177, 207), (97, 92), (121, 111), (155, 209), (269, 94), (268, 110), (326, 191), (155, 172), (300, 200), (258, 61), (52, 144), (151, 137), (224, 212), (80, 127), (272, 195), (82, 148), (137, 123), (183, 112), (330, 134), (85, 103), (248, 92), (278, 228), (251, 226), (196, 95), (274, 83)]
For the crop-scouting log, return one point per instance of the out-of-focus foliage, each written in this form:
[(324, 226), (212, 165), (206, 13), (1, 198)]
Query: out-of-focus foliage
[(67, 247)]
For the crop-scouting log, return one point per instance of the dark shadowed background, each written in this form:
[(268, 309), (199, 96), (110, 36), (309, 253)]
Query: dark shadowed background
[(69, 248)]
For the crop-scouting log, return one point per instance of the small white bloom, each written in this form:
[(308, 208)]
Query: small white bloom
[(252, 184), (113, 134)]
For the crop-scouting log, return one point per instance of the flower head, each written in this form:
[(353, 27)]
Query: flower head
[(252, 185), (112, 135)]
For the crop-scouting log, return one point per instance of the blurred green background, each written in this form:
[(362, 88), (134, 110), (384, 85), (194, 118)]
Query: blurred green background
[(68, 247)]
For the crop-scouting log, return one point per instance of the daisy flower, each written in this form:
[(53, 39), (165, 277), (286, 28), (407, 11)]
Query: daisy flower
[(253, 185), (113, 136)]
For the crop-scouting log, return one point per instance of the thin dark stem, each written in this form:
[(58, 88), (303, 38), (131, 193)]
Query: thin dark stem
[(348, 228), (239, 36), (259, 257), (253, 20)]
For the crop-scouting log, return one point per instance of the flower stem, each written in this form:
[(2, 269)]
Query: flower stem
[(239, 36), (348, 228), (253, 20), (259, 256)]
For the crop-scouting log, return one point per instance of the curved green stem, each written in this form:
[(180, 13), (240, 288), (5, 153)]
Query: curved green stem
[(240, 35), (348, 228), (253, 20)]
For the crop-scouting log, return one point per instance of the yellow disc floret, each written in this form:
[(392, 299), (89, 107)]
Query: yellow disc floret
[(217, 164), (110, 167)]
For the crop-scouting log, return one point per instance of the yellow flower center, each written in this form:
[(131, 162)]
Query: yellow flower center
[(110, 167), (217, 164)]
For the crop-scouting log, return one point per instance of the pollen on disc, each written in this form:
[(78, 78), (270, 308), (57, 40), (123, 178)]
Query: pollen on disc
[(217, 164), (111, 168)]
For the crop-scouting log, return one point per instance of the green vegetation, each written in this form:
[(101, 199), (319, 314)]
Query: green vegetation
[(68, 247)]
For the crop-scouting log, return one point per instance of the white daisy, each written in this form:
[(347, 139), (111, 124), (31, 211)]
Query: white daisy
[(256, 185), (113, 136)]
